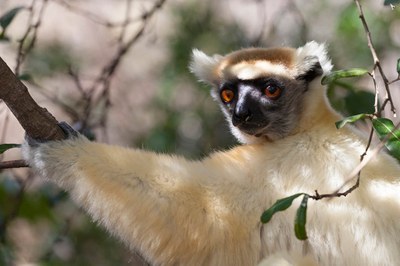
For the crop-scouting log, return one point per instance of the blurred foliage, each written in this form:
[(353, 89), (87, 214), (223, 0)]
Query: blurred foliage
[(50, 59), (350, 100), (92, 246), (212, 35), (68, 243), (193, 128), (351, 50), (391, 2), (350, 35)]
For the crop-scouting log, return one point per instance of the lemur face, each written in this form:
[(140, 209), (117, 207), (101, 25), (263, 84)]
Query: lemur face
[(262, 91), (263, 107)]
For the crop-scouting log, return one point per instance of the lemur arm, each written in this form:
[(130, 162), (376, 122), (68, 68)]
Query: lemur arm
[(172, 210)]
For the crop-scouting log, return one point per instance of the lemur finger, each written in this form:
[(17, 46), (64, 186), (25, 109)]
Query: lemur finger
[(69, 131)]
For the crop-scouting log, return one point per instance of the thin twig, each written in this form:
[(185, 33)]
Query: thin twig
[(77, 81), (377, 63), (85, 14), (13, 164), (95, 17), (74, 114), (365, 158), (123, 48), (24, 47), (103, 80), (395, 80)]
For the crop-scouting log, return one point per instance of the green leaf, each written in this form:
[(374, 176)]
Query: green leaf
[(350, 119), (279, 205), (301, 219), (391, 2), (357, 102), (4, 147), (8, 17), (344, 73), (398, 65), (383, 127)]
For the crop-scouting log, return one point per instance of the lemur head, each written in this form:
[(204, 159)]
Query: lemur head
[(262, 91)]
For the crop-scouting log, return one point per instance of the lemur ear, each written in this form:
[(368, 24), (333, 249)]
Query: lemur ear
[(310, 69), (204, 66), (312, 60)]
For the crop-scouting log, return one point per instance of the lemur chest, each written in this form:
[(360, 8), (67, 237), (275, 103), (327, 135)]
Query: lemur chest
[(308, 166)]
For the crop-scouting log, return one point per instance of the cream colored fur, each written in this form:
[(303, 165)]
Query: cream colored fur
[(207, 212)]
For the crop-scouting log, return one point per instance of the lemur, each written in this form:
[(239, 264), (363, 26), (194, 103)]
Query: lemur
[(176, 211)]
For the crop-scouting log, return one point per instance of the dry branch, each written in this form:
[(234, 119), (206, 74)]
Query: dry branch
[(37, 121)]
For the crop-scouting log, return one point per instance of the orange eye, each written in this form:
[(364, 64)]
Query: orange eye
[(273, 92), (227, 95)]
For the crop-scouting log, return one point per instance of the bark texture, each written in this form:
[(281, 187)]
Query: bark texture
[(37, 121)]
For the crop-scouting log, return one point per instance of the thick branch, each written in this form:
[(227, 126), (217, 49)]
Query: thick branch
[(37, 122)]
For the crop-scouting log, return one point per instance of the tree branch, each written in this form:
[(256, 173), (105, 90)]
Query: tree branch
[(13, 164), (37, 121), (377, 63)]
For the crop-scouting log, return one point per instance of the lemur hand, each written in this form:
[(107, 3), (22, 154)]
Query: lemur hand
[(36, 151)]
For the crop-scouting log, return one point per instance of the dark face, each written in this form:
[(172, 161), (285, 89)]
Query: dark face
[(265, 107)]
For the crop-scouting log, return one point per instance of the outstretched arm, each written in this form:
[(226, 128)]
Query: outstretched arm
[(172, 210)]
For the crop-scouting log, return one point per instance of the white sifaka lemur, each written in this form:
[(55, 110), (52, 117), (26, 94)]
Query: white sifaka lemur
[(176, 211)]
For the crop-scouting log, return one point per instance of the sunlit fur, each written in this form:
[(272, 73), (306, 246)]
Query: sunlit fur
[(207, 212)]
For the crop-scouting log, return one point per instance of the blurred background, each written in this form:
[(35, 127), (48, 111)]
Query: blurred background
[(118, 71)]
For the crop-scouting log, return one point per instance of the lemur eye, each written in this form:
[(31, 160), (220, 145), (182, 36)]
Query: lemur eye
[(227, 95), (272, 92)]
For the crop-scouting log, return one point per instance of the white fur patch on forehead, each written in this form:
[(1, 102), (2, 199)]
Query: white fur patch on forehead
[(254, 70), (313, 49)]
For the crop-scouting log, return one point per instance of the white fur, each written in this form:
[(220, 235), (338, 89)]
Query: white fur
[(204, 65), (180, 212), (314, 49)]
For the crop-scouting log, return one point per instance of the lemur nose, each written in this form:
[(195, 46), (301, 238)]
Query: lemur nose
[(240, 116)]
